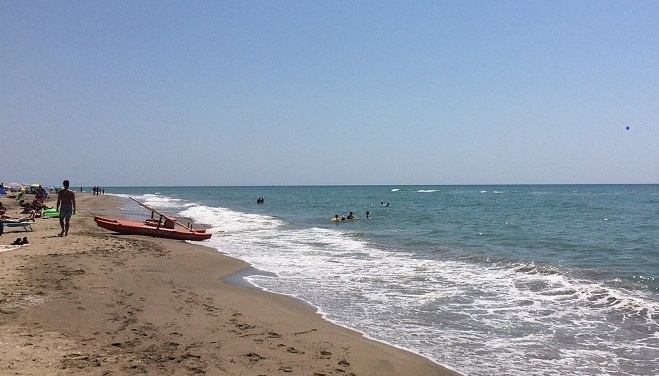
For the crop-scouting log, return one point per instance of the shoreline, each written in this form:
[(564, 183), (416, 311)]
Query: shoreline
[(101, 303)]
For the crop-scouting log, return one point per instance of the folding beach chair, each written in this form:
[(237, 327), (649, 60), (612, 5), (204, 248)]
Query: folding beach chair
[(25, 225)]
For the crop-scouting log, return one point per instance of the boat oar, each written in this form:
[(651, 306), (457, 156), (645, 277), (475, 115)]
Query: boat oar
[(163, 215)]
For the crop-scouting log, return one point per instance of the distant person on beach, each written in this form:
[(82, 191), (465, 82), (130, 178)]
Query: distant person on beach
[(38, 205), (66, 204), (21, 219), (2, 214), (40, 194)]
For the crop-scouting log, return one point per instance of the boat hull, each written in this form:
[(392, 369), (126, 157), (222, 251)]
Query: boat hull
[(127, 227)]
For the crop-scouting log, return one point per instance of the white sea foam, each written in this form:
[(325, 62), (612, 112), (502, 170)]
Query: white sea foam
[(163, 202), (512, 312)]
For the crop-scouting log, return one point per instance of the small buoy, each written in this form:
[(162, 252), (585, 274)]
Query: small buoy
[(627, 127)]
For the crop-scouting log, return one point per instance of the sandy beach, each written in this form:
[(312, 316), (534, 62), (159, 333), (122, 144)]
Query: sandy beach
[(106, 304)]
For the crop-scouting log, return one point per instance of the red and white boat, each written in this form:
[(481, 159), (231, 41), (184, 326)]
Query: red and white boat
[(163, 227)]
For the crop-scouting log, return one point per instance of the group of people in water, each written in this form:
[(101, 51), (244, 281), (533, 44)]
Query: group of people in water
[(344, 217), (337, 218), (348, 217), (352, 216)]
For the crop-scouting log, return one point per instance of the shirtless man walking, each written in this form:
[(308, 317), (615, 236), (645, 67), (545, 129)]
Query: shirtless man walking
[(66, 204)]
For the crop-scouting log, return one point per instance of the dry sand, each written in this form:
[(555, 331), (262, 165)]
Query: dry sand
[(105, 304)]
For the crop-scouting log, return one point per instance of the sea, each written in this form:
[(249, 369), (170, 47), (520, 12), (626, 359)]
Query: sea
[(486, 280)]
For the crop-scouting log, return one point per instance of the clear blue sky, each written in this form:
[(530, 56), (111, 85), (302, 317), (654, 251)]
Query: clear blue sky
[(118, 93)]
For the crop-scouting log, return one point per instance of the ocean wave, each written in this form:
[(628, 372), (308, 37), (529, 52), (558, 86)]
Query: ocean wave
[(537, 269), (593, 294)]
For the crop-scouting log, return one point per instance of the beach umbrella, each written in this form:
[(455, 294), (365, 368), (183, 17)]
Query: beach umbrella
[(14, 186)]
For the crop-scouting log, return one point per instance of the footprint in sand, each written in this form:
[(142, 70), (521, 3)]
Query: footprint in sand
[(254, 357), (274, 335)]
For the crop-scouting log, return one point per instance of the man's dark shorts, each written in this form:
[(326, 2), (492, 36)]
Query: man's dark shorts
[(65, 211)]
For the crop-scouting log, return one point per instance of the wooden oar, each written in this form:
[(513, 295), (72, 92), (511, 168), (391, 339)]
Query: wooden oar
[(162, 214)]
